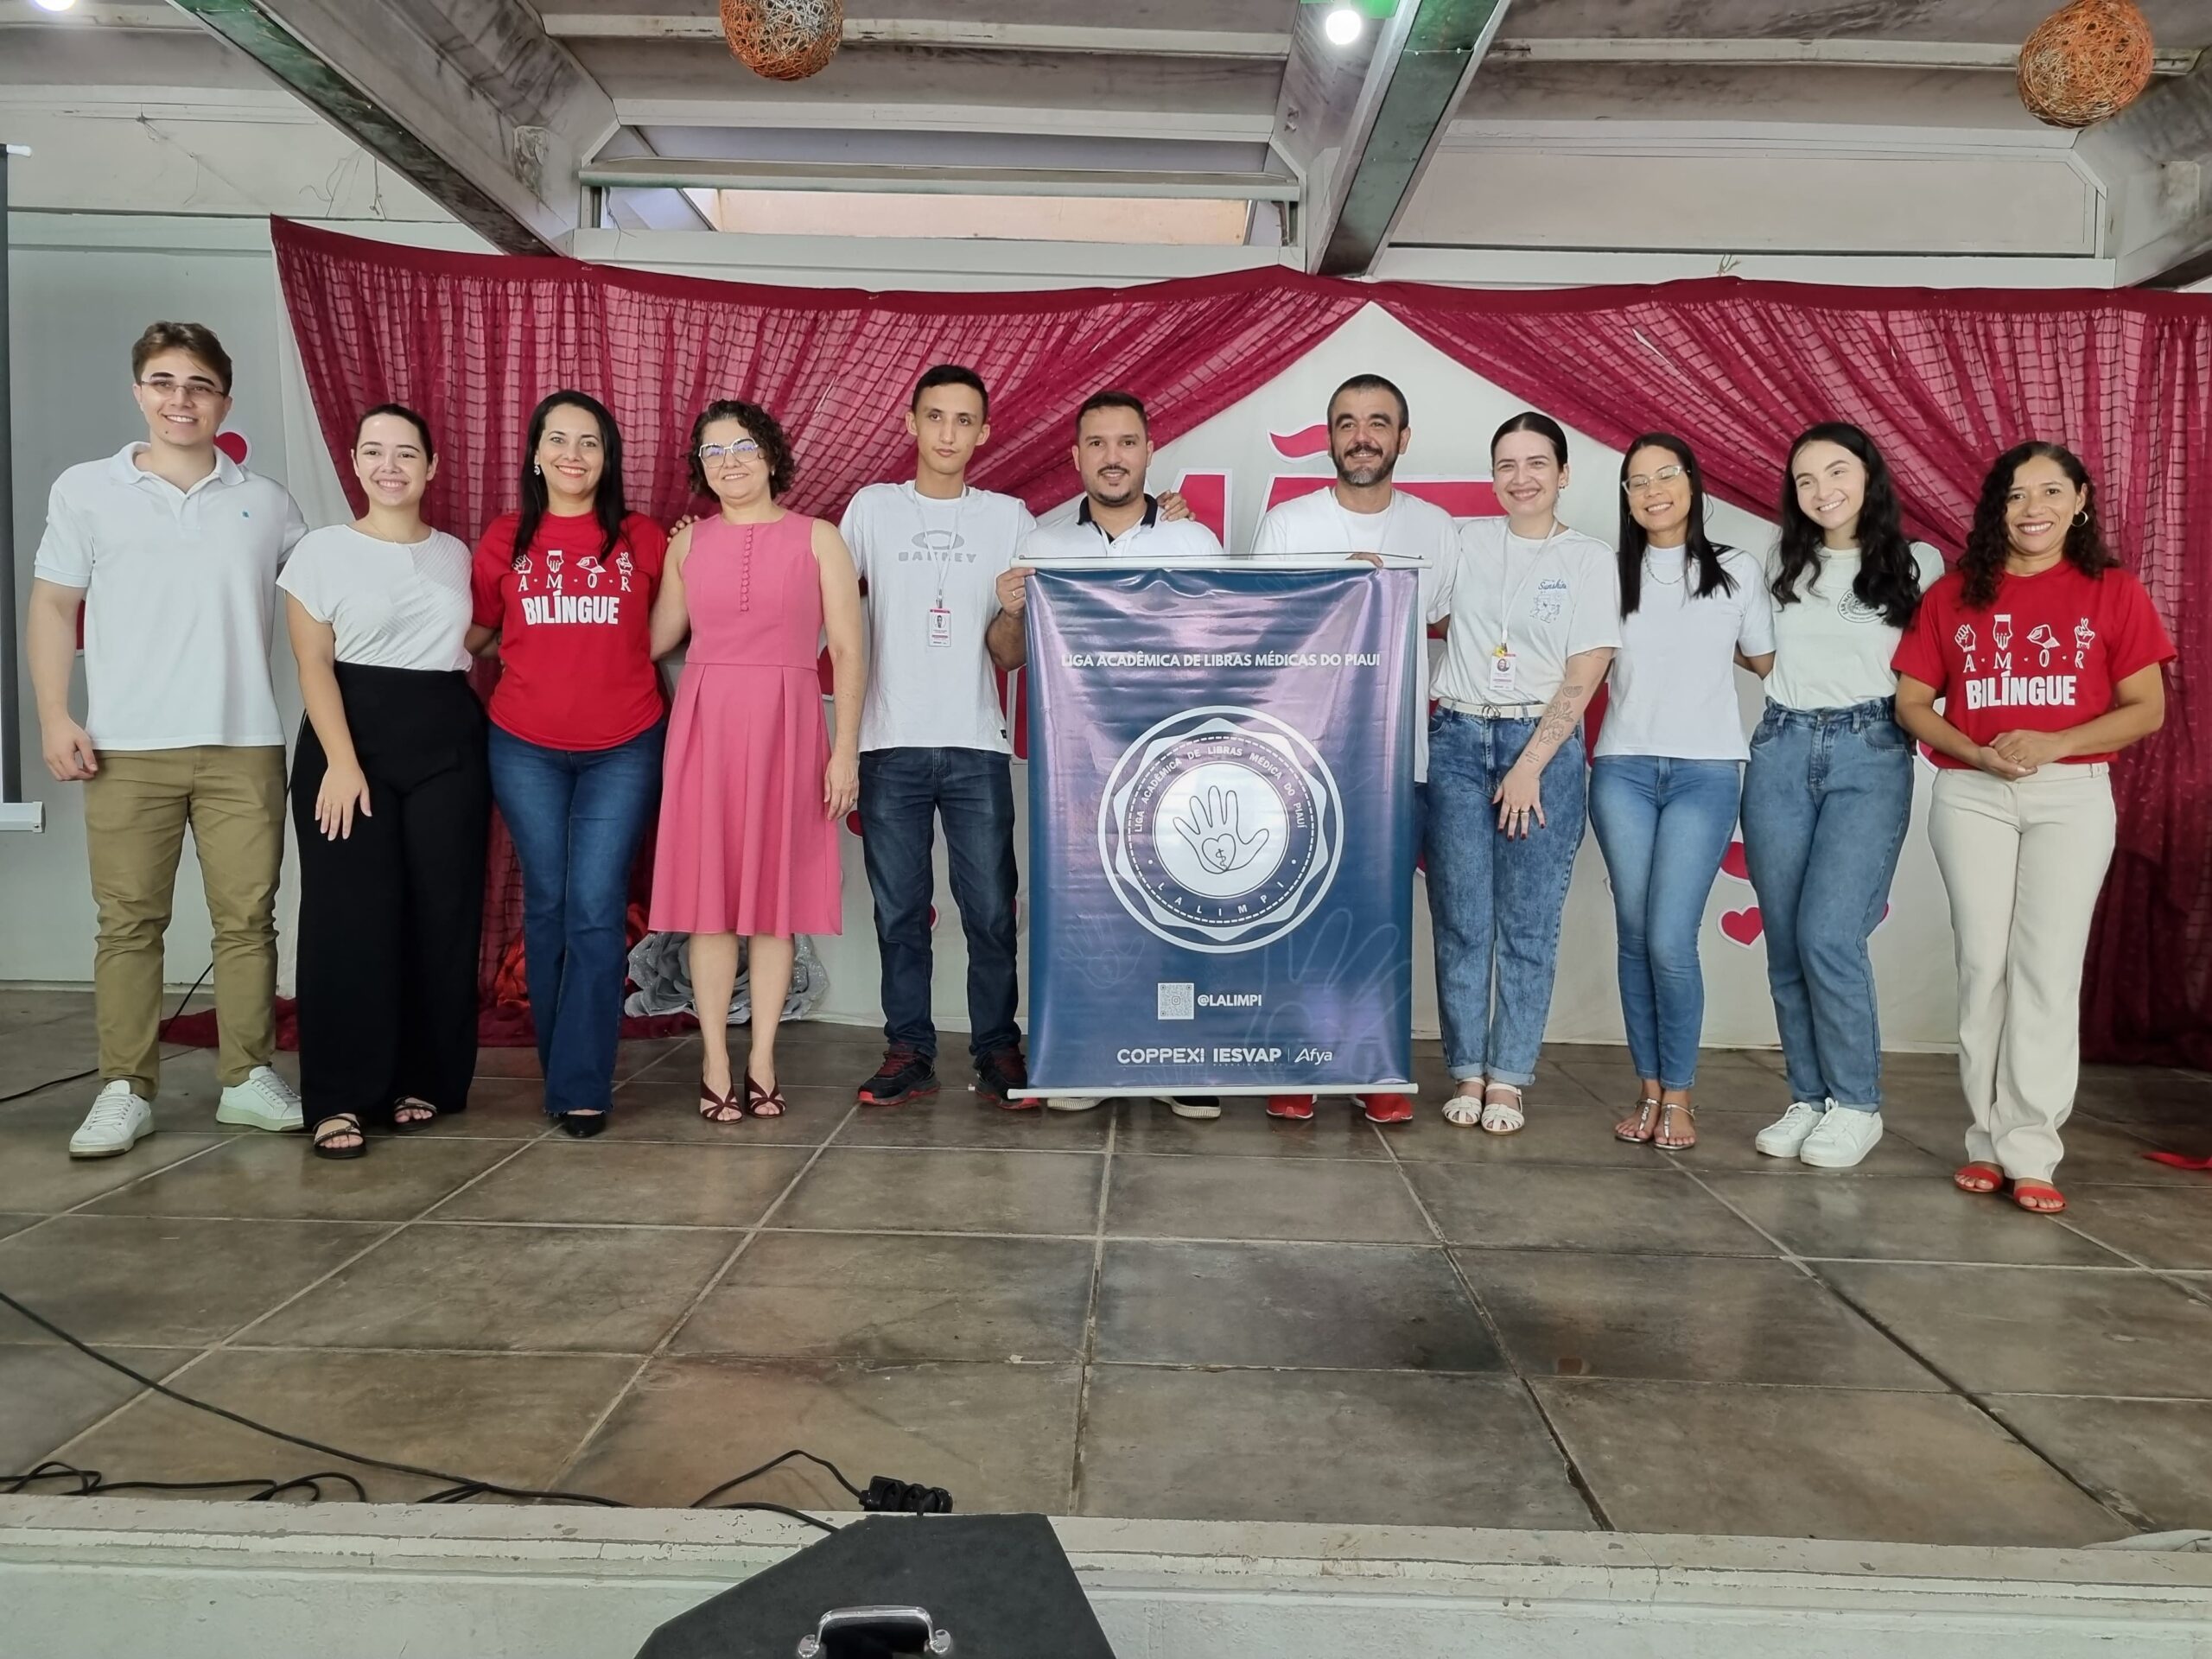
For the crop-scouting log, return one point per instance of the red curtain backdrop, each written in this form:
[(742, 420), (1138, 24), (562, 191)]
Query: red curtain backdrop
[(1942, 379)]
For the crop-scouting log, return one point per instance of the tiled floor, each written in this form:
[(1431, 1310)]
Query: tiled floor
[(1126, 1314)]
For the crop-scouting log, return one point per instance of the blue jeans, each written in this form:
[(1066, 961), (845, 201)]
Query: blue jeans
[(1826, 804), (903, 793), (1496, 899), (576, 817), (1664, 826)]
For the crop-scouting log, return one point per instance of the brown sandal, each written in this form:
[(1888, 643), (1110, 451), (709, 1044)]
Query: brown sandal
[(1640, 1127), (719, 1109), (763, 1103)]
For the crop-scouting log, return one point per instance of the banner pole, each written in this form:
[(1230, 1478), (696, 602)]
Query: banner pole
[(16, 813)]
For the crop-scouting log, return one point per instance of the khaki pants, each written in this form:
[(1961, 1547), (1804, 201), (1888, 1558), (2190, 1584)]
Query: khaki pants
[(2023, 861), (136, 810)]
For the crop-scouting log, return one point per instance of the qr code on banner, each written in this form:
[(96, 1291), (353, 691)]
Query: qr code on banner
[(1179, 1001)]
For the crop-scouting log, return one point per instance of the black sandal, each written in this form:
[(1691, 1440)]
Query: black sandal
[(413, 1126), (328, 1129), (582, 1125)]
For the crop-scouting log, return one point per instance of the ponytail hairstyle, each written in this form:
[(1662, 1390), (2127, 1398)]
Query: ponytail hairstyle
[(1888, 575), (399, 411), (1982, 566), (1542, 425), (1712, 577), (611, 506)]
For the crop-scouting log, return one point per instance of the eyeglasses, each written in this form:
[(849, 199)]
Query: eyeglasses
[(743, 449), (1643, 483), (196, 390)]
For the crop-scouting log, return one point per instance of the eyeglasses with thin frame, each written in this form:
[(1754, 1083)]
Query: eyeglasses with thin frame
[(1642, 484), (743, 449), (196, 390)]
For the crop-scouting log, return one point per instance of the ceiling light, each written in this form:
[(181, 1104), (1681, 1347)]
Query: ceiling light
[(55, 5), (1342, 25)]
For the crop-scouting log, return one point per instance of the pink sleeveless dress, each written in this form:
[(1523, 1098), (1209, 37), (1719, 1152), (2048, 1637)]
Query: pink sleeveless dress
[(744, 846)]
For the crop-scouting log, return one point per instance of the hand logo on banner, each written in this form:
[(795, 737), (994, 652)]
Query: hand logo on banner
[(1211, 832)]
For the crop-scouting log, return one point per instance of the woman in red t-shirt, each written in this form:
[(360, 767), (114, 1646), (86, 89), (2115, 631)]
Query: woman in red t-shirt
[(565, 589), (2047, 657)]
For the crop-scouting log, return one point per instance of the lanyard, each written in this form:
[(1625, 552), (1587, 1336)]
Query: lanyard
[(1507, 601), (944, 564)]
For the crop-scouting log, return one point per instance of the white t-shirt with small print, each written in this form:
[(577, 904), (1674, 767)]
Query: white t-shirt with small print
[(1563, 595), (1831, 649), (1674, 676)]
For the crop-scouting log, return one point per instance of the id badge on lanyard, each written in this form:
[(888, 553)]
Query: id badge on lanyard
[(1504, 672), (940, 634)]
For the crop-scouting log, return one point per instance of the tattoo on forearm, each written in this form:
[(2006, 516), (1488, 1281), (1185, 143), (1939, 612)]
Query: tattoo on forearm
[(1560, 715)]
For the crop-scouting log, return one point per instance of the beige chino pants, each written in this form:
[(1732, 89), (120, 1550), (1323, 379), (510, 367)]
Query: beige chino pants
[(136, 807), (2023, 861)]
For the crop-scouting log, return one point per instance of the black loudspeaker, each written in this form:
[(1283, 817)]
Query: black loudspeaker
[(993, 1586)]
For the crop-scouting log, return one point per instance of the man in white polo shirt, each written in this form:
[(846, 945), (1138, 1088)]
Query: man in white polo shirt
[(1113, 452), (1363, 513), (934, 741), (174, 549)]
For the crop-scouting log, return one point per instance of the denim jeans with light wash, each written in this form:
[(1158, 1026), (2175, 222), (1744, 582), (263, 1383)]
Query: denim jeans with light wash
[(1826, 802), (576, 817), (1664, 826), (1496, 899), (903, 792)]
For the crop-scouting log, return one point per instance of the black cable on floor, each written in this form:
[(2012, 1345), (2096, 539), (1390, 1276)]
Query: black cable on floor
[(183, 1002), (453, 1488)]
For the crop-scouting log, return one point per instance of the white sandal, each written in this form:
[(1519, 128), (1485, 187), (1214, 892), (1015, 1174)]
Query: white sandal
[(1465, 1110), (1504, 1117)]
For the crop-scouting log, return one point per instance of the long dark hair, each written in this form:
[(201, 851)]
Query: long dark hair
[(611, 506), (1711, 578), (1889, 575), (1982, 566)]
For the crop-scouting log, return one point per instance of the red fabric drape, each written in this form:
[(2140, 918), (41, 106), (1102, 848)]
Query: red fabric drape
[(1943, 380)]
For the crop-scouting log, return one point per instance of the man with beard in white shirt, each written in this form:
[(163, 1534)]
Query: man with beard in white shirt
[(1364, 514), (1113, 451)]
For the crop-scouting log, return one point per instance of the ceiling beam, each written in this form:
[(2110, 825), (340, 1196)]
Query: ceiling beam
[(922, 179), (1847, 53), (1425, 54), (2155, 160), (946, 35), (470, 99)]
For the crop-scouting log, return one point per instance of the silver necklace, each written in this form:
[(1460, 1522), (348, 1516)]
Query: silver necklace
[(1666, 581)]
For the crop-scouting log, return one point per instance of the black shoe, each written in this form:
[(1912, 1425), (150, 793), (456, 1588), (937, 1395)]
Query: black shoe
[(905, 1072), (998, 1074), (582, 1125)]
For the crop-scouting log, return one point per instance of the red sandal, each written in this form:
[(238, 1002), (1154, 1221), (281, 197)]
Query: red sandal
[(763, 1103), (1978, 1178), (2038, 1197), (719, 1109)]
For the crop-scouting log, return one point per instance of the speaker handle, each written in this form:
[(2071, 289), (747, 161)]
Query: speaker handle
[(890, 1630)]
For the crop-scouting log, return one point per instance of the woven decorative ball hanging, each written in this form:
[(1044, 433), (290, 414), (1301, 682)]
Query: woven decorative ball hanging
[(2086, 62), (783, 39)]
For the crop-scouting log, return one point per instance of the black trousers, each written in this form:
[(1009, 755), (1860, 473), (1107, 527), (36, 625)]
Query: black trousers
[(391, 917)]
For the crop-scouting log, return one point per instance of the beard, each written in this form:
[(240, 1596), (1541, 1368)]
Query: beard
[(1363, 469), (1116, 492)]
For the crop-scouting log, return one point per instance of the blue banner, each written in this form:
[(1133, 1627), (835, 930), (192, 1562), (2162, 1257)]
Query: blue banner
[(1221, 820)]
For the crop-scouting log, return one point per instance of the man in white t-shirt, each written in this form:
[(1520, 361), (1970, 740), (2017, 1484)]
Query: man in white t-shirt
[(1113, 452), (1364, 513), (934, 740), (173, 549)]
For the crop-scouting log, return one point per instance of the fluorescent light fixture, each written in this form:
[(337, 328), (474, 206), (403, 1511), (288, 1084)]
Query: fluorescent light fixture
[(54, 5), (1342, 25)]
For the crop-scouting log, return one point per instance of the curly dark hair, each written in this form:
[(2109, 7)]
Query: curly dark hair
[(1981, 569), (760, 426), (1888, 575)]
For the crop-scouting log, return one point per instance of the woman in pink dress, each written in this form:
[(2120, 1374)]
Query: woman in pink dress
[(754, 788)]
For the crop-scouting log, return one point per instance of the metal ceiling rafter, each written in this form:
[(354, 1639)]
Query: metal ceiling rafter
[(1426, 53)]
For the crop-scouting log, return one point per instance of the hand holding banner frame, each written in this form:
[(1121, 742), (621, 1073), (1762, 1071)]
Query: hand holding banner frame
[(1222, 828)]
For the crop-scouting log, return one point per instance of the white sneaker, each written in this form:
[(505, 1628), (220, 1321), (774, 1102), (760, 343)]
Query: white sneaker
[(264, 1101), (1074, 1103), (119, 1120), (1843, 1138), (1202, 1107), (1785, 1137)]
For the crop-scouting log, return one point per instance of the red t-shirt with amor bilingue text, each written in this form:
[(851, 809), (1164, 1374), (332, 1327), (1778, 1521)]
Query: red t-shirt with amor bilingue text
[(2043, 657), (577, 669)]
